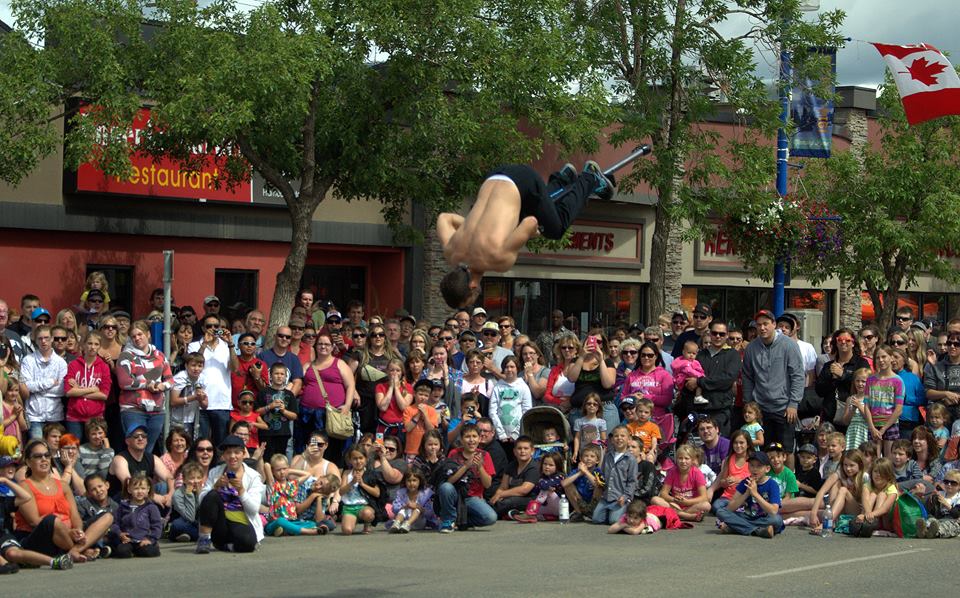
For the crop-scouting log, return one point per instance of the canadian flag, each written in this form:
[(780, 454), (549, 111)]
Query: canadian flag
[(928, 85)]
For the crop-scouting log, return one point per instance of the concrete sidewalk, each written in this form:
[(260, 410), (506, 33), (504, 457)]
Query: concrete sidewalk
[(511, 559)]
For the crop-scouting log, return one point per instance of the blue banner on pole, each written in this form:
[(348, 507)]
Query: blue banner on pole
[(813, 116)]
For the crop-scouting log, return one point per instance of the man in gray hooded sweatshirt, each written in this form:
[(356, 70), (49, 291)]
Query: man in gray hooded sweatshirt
[(773, 377)]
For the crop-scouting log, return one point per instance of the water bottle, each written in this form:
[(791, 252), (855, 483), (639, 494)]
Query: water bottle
[(827, 530), (564, 510)]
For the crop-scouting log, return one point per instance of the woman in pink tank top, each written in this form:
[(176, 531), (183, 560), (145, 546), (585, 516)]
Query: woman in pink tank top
[(335, 388)]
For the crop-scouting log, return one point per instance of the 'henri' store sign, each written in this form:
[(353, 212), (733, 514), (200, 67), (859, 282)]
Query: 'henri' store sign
[(717, 252), (164, 177)]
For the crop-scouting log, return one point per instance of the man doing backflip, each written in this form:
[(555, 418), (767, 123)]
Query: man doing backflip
[(513, 206)]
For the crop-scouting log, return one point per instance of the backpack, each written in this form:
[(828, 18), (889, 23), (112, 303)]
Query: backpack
[(906, 511)]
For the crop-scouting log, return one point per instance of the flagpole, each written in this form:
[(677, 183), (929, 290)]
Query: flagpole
[(783, 155)]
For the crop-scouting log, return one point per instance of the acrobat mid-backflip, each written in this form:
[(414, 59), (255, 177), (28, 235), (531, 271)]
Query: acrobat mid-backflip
[(513, 205)]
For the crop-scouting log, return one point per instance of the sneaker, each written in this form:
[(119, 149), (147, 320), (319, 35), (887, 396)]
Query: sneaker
[(395, 528), (576, 517), (322, 530), (699, 400), (277, 532), (204, 545), (182, 538), (105, 551), (606, 185), (567, 174), (446, 527), (921, 525), (405, 527), (763, 532), (521, 517), (933, 529), (9, 568), (62, 563)]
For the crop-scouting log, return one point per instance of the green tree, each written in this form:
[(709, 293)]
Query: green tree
[(898, 204), (668, 61), (399, 101)]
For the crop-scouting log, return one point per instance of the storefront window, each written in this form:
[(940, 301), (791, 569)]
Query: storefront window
[(531, 301), (616, 305), (737, 306), (496, 298), (940, 307)]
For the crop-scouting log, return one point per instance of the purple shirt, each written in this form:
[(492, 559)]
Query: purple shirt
[(715, 456)]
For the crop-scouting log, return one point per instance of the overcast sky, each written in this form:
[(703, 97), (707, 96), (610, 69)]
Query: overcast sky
[(890, 21)]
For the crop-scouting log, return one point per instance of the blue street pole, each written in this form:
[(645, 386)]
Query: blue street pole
[(783, 154)]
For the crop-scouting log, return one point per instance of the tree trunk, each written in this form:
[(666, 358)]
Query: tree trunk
[(288, 279), (670, 177), (885, 316)]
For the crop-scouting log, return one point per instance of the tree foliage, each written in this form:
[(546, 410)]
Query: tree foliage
[(670, 62), (399, 101), (898, 203)]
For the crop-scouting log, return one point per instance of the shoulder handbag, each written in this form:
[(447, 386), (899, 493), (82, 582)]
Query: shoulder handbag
[(338, 425)]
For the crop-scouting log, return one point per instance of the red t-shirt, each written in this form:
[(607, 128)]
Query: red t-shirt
[(393, 414), (254, 440), (474, 487), (243, 379)]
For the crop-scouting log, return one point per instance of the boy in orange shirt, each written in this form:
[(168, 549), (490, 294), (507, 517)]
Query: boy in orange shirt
[(638, 412)]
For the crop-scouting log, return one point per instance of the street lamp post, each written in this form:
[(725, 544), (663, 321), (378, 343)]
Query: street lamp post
[(783, 155)]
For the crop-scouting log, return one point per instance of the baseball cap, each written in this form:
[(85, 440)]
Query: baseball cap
[(298, 321), (774, 446), (334, 315), (628, 401), (134, 427), (919, 325), (491, 326), (232, 441), (409, 318), (210, 299), (121, 314), (246, 391), (680, 312), (786, 316), (807, 448), (759, 456), (765, 313), (7, 461), (424, 382), (703, 309), (95, 293), (39, 312), (478, 311), (635, 326)]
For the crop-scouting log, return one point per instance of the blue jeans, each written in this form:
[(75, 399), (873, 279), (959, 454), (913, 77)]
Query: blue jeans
[(479, 513), (214, 424), (743, 525), (36, 429), (182, 526), (75, 428), (720, 503), (152, 421), (611, 415), (608, 512)]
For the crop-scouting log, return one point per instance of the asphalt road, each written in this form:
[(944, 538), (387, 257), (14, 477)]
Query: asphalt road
[(511, 559)]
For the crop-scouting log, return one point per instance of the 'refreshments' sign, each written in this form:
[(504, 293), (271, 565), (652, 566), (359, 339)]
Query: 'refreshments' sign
[(163, 177), (598, 243)]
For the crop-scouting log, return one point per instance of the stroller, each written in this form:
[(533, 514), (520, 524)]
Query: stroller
[(539, 418)]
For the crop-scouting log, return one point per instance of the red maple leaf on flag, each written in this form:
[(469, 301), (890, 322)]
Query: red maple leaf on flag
[(925, 72)]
